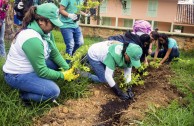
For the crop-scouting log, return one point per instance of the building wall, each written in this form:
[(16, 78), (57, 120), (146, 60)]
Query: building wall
[(166, 14), (166, 10), (164, 20), (164, 26), (188, 29)]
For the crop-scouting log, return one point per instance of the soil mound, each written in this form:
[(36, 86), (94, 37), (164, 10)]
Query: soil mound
[(103, 108)]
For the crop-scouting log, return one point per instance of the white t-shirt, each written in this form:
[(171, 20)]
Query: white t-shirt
[(98, 52), (17, 62)]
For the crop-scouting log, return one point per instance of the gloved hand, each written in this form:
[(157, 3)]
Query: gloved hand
[(69, 75), (20, 5), (87, 15), (72, 16), (120, 93), (130, 93)]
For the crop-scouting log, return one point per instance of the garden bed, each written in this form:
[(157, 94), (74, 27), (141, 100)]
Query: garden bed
[(103, 108)]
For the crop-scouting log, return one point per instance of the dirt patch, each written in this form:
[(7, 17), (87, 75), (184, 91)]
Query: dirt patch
[(103, 108)]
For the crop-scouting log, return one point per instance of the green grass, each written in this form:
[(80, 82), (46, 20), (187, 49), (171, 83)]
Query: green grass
[(14, 113), (177, 113)]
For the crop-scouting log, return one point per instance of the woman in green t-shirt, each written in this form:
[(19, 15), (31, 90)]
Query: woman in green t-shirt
[(33, 60), (105, 56), (166, 48)]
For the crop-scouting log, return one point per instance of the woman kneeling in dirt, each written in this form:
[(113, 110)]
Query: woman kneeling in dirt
[(33, 59), (105, 56), (170, 49)]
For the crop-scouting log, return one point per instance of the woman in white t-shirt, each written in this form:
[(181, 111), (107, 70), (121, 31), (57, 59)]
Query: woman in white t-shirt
[(104, 57)]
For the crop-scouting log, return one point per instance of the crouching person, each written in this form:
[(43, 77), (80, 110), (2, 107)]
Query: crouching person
[(166, 48), (104, 57), (33, 60)]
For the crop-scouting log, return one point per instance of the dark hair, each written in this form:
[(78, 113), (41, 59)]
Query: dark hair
[(132, 38), (165, 37), (155, 34), (139, 40), (29, 17), (145, 38)]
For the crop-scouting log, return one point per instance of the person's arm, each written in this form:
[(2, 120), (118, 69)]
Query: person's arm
[(146, 61), (84, 14), (127, 74), (150, 48), (166, 56), (109, 76), (37, 59), (156, 51), (56, 56), (63, 11)]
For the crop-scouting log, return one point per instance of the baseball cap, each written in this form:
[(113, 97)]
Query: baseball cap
[(50, 11), (134, 51)]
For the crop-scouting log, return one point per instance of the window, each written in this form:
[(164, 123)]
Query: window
[(152, 8), (128, 23), (126, 4), (155, 25), (103, 6), (106, 21)]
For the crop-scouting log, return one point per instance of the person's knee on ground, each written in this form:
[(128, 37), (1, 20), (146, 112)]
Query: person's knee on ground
[(50, 95)]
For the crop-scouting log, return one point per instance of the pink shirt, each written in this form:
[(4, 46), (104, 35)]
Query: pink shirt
[(3, 13)]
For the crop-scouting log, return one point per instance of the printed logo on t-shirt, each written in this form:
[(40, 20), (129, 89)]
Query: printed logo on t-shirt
[(118, 49)]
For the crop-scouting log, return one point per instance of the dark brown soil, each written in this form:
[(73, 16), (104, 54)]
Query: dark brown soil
[(103, 108)]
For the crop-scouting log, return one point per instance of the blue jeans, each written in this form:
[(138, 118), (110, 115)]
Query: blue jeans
[(33, 87), (2, 43), (73, 39), (174, 53), (99, 69)]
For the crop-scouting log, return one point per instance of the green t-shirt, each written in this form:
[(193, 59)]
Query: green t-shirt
[(71, 7), (172, 43), (114, 57)]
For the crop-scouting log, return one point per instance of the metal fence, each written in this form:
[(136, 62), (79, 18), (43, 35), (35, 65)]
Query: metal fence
[(185, 14)]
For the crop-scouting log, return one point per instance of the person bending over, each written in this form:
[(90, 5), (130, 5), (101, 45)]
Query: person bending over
[(105, 56), (167, 49)]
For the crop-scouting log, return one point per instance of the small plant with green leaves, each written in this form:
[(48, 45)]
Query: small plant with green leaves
[(142, 70), (76, 62), (88, 5), (156, 63), (137, 78)]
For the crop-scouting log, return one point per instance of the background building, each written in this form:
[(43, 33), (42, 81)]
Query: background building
[(166, 15)]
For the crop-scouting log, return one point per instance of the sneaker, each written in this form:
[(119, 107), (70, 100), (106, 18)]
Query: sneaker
[(54, 101)]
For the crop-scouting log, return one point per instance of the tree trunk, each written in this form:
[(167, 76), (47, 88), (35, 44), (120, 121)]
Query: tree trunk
[(9, 27), (98, 14)]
